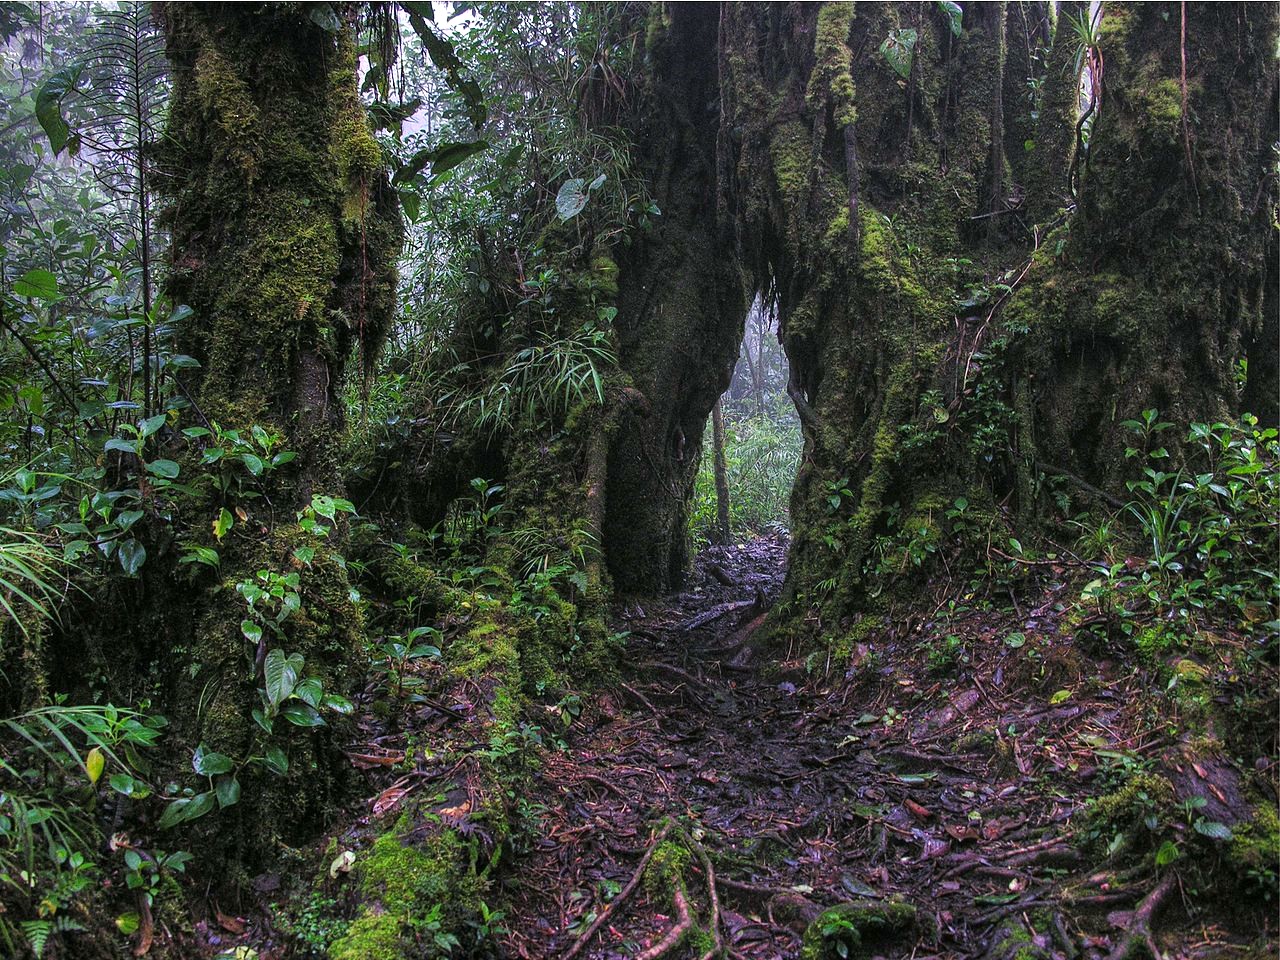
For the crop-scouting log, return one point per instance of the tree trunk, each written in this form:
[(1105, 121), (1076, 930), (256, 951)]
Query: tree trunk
[(682, 303), (919, 379), (285, 235), (721, 473)]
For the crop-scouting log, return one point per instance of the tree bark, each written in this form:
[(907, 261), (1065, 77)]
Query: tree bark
[(284, 238), (721, 473)]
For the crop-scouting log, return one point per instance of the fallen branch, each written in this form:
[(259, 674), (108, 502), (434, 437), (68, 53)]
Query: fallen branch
[(611, 907), (715, 613), (1080, 482)]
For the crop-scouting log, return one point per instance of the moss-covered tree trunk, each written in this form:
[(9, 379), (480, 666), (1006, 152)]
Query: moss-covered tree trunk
[(1161, 284), (681, 308), (896, 179), (284, 240)]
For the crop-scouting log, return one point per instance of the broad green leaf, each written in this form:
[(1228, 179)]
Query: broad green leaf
[(252, 631), (1167, 853), (127, 786), (150, 425), (276, 760), (48, 101), (442, 159), (338, 704), (209, 763), (223, 522), (323, 16), (94, 764), (571, 199), (173, 814), (128, 923), (228, 791), (301, 714), (1060, 697), (899, 50), (411, 205), (37, 285), (1213, 829), (166, 469), (252, 463), (310, 691), (954, 14), (200, 804), (280, 675), (132, 556)]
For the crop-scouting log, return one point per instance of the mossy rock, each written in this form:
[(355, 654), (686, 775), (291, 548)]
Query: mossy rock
[(860, 927), (1012, 941)]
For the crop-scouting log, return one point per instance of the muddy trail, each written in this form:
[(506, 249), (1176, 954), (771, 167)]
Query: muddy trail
[(721, 795)]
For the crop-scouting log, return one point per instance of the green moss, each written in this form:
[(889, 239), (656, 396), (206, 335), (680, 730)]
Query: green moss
[(402, 879), (1013, 941), (853, 929), (604, 276), (1163, 104), (372, 936), (223, 95), (1126, 809), (832, 79), (789, 150), (667, 867)]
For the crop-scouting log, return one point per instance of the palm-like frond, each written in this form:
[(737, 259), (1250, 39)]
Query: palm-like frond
[(31, 575)]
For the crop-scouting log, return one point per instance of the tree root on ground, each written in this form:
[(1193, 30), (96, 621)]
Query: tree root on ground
[(611, 909), (684, 923), (1139, 932)]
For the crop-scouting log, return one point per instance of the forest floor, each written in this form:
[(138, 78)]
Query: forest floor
[(947, 765), (972, 778)]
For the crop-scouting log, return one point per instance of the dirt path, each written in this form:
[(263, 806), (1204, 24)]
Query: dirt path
[(804, 795), (948, 769)]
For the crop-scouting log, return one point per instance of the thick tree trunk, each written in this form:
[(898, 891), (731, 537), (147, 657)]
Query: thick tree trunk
[(919, 376), (681, 308), (284, 241)]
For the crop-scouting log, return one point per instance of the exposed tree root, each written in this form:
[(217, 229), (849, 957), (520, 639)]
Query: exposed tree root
[(611, 908), (684, 923), (1139, 932), (713, 896)]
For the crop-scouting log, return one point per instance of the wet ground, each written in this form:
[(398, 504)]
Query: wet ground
[(944, 764)]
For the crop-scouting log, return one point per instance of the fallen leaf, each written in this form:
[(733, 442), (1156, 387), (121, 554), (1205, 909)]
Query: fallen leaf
[(923, 813), (388, 799), (342, 863), (234, 925)]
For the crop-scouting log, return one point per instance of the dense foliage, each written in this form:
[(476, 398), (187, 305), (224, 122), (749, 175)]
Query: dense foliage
[(248, 543)]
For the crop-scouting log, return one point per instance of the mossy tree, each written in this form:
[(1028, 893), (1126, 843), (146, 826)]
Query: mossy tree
[(890, 176), (284, 238)]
